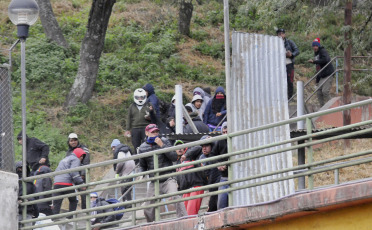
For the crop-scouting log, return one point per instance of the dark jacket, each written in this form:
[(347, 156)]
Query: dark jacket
[(165, 159), (43, 185), (291, 46), (200, 126), (136, 118), (69, 162), (152, 98), (220, 148), (189, 180), (209, 116), (171, 111), (105, 219), (31, 209), (36, 150), (321, 58)]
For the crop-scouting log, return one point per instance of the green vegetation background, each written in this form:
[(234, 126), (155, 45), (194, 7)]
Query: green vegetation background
[(141, 49)]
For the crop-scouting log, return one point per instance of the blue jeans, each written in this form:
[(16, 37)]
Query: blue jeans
[(223, 199)]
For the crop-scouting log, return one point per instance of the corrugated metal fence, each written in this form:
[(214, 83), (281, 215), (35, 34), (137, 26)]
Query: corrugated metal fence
[(258, 96)]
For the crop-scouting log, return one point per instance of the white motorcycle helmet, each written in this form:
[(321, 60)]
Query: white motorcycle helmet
[(139, 96)]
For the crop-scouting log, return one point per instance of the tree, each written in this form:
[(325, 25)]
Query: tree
[(184, 16), (90, 52), (50, 24)]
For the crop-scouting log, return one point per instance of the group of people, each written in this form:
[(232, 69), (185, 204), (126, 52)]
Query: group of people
[(321, 60)]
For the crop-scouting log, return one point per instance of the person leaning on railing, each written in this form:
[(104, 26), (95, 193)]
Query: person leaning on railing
[(167, 185), (190, 180), (321, 59)]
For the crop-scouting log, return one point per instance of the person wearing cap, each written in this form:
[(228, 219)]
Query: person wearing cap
[(122, 151), (218, 149), (37, 152), (98, 202), (190, 180), (291, 52), (73, 143), (68, 179), (324, 78), (167, 185), (216, 110)]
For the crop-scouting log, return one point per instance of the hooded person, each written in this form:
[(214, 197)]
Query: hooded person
[(122, 151), (97, 201), (197, 104), (32, 210), (68, 179), (73, 143), (324, 78), (216, 110), (152, 98), (206, 99), (200, 126), (43, 185), (37, 152)]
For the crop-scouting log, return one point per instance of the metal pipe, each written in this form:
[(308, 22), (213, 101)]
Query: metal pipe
[(179, 117), (300, 104), (227, 58), (337, 76)]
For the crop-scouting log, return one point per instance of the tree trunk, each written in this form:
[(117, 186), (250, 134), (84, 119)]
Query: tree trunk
[(185, 14), (90, 52), (50, 24)]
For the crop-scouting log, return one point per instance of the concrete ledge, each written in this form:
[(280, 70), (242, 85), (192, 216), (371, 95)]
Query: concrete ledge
[(297, 205)]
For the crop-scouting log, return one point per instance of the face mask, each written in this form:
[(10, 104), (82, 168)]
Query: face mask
[(151, 140), (220, 96)]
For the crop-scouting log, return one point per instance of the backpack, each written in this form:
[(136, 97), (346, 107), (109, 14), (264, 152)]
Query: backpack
[(118, 216)]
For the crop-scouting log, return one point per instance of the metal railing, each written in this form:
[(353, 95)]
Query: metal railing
[(335, 73), (305, 170)]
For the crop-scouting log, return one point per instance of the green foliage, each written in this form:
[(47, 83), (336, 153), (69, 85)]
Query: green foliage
[(215, 50)]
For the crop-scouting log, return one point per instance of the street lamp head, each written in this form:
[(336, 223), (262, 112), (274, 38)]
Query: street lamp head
[(23, 13)]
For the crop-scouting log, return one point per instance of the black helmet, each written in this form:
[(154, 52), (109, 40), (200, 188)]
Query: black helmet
[(280, 30)]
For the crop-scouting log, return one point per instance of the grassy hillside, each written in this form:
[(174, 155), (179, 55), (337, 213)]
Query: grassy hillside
[(142, 45)]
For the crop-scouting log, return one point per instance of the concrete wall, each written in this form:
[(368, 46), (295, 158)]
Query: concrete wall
[(8, 200)]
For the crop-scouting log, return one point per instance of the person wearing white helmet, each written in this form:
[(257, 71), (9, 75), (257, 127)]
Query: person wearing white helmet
[(140, 114)]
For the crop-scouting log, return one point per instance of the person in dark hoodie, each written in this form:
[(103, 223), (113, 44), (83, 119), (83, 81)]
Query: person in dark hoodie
[(43, 185), (99, 202), (125, 168), (152, 98), (323, 81), (73, 143), (190, 180), (32, 210), (200, 126), (168, 185), (37, 152), (68, 179), (215, 110)]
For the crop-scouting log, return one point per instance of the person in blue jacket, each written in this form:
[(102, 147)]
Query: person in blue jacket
[(216, 110), (152, 98)]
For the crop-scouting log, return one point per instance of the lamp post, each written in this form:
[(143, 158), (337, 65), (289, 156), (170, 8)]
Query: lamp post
[(23, 14)]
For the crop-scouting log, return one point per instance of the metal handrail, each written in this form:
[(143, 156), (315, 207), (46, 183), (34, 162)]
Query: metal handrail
[(230, 154)]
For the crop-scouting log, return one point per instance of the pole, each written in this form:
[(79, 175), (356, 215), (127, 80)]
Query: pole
[(347, 68), (23, 90), (228, 90), (179, 112), (300, 104)]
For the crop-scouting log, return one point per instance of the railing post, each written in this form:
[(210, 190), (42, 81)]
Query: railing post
[(87, 197), (310, 151), (336, 75), (230, 171), (337, 180), (24, 192), (156, 166), (134, 205)]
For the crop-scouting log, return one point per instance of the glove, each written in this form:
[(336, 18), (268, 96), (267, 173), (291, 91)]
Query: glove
[(117, 176)]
